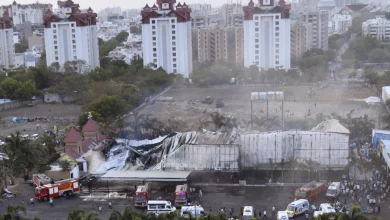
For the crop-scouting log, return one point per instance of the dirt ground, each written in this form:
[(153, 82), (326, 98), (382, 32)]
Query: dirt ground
[(46, 115), (339, 99)]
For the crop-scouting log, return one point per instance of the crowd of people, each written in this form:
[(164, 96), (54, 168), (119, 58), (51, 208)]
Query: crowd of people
[(369, 193)]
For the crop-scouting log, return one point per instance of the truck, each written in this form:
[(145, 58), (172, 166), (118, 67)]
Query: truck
[(310, 191), (181, 195), (67, 187), (333, 191), (142, 196)]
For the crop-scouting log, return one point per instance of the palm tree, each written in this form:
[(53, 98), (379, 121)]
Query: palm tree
[(23, 154), (127, 214), (92, 216), (13, 213), (354, 215), (77, 214)]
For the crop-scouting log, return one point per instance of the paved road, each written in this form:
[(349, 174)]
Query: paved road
[(213, 198)]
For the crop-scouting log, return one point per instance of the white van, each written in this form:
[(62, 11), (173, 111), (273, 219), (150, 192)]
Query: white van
[(160, 206), (248, 213), (282, 215), (326, 208), (334, 190), (297, 207), (194, 210)]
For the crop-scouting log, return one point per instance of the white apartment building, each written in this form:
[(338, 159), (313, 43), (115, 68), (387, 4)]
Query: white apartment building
[(70, 35), (267, 34), (166, 36), (30, 12), (7, 52), (341, 23), (378, 28)]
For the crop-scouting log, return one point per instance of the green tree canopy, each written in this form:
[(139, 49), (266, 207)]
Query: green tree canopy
[(378, 55), (21, 47), (25, 91), (9, 86), (109, 107), (122, 36), (135, 30)]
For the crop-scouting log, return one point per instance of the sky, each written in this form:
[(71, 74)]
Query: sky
[(97, 5)]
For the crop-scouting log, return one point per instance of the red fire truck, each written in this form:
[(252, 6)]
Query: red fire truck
[(310, 191), (65, 187), (181, 195), (142, 195)]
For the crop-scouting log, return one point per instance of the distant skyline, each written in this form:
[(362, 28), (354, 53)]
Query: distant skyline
[(98, 5)]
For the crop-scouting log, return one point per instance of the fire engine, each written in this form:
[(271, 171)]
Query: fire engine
[(310, 191), (142, 195), (65, 187), (181, 195)]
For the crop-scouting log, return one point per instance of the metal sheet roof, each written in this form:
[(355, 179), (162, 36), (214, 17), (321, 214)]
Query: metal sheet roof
[(141, 175)]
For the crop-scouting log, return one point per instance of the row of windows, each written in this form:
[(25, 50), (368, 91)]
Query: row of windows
[(172, 20), (55, 31), (54, 25), (258, 17), (154, 27)]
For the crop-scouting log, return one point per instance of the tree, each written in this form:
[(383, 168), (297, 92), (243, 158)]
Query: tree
[(13, 212), (65, 165), (127, 214), (21, 47), (109, 107), (77, 214), (135, 30), (26, 91), (122, 36), (335, 41), (9, 86), (379, 56), (40, 77), (107, 46)]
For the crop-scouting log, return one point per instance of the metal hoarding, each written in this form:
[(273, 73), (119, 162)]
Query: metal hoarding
[(327, 149), (204, 157)]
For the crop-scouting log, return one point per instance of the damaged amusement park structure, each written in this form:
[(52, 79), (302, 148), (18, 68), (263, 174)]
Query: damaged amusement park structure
[(326, 147)]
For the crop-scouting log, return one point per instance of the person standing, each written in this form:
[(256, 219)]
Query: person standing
[(31, 200), (265, 215), (100, 209), (307, 215), (273, 211), (200, 193), (51, 201), (109, 205)]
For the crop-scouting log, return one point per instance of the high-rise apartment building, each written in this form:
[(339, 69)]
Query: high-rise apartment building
[(309, 30), (70, 35), (167, 37), (30, 12), (218, 43), (301, 38), (7, 53), (267, 34)]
